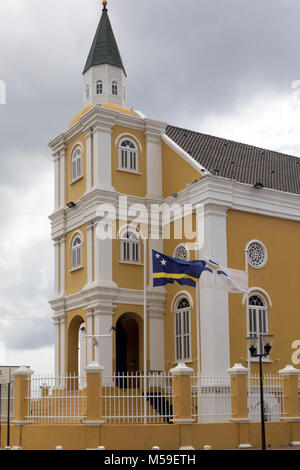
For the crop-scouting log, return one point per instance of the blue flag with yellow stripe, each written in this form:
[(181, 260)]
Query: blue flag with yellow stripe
[(167, 270)]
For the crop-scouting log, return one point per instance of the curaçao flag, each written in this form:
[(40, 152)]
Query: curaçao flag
[(167, 270)]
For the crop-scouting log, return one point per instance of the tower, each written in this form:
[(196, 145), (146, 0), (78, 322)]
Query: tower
[(104, 75)]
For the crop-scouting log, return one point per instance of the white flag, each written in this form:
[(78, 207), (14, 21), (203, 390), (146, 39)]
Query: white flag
[(225, 279)]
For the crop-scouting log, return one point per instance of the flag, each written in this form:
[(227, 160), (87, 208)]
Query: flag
[(225, 279), (167, 270)]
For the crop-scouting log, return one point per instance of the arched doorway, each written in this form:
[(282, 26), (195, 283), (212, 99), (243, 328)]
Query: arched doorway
[(127, 345), (75, 333)]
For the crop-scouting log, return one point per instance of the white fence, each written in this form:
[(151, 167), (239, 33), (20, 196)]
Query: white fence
[(55, 400), (136, 398), (273, 397), (4, 403), (211, 399)]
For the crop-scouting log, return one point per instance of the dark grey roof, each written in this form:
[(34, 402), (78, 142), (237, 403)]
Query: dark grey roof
[(104, 49), (240, 162)]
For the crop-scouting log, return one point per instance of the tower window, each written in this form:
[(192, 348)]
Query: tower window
[(77, 164), (114, 88), (99, 87), (77, 252), (182, 330), (87, 92), (130, 247), (128, 156)]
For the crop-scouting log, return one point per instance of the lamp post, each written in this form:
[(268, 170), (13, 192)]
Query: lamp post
[(260, 346)]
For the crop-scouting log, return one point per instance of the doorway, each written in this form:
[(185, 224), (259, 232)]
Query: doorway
[(127, 345)]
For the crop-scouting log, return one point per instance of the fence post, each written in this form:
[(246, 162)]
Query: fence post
[(94, 404), (290, 393), (239, 407), (182, 403), (22, 388)]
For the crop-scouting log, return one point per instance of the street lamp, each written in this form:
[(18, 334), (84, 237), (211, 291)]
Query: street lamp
[(260, 346)]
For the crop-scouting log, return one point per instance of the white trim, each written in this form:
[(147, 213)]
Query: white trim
[(76, 179), (77, 144), (126, 170), (259, 291), (78, 232), (182, 293), (131, 136), (266, 254), (184, 245), (176, 311), (184, 155), (76, 269)]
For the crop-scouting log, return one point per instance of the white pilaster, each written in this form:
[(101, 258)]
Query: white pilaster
[(56, 183), (63, 345), (56, 268), (154, 165), (57, 348), (62, 265), (102, 158), (62, 166), (103, 259), (214, 314), (89, 231), (89, 143), (89, 332), (103, 346)]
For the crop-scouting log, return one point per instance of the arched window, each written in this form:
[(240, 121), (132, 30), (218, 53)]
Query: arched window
[(114, 89), (99, 87), (128, 155), (77, 164), (257, 315), (87, 92), (130, 247), (183, 330), (77, 252)]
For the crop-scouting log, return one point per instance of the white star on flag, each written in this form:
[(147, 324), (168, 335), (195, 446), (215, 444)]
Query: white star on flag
[(157, 255), (163, 262)]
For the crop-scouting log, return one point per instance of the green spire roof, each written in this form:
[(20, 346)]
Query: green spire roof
[(104, 49)]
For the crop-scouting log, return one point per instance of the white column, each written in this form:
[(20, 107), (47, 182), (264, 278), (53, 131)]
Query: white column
[(56, 347), (62, 265), (157, 341), (83, 363), (103, 260), (89, 331), (214, 312), (104, 346), (62, 164), (63, 345), (56, 267), (102, 159), (154, 166), (56, 184), (89, 231)]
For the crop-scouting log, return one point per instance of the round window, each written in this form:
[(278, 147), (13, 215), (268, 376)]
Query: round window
[(181, 253), (257, 254)]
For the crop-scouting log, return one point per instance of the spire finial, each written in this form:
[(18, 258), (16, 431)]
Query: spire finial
[(104, 3)]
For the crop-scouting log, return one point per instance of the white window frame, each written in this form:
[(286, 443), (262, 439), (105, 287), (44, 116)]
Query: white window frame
[(130, 247), (265, 252), (99, 87), (257, 317), (76, 163), (182, 331), (128, 156), (114, 88), (76, 252)]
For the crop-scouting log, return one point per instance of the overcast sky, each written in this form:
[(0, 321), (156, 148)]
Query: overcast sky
[(225, 67)]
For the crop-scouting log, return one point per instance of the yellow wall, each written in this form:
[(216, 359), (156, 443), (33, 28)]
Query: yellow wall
[(75, 280), (176, 172), (74, 191), (125, 182), (279, 278)]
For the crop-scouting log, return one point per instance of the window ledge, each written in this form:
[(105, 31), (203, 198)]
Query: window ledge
[(132, 263), (77, 179), (264, 360), (75, 269), (132, 172)]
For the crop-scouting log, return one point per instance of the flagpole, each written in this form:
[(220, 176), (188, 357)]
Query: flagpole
[(145, 329)]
